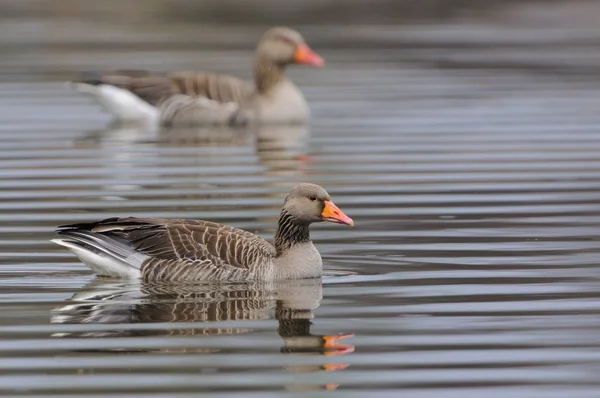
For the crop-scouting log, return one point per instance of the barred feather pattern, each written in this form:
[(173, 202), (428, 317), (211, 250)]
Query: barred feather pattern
[(289, 232), (185, 111), (197, 250), (188, 98), (267, 75), (217, 87), (150, 88), (156, 88), (191, 250), (191, 270)]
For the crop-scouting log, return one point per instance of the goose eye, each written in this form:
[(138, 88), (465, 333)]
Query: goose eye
[(312, 197)]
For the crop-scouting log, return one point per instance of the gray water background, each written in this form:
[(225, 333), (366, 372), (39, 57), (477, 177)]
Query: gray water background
[(466, 150)]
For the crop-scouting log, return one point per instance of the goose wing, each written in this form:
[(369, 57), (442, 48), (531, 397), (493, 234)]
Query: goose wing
[(214, 86), (187, 249), (156, 88)]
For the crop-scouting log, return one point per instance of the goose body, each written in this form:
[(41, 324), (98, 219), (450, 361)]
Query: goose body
[(203, 98), (197, 250)]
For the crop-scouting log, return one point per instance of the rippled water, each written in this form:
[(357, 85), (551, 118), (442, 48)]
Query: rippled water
[(472, 270)]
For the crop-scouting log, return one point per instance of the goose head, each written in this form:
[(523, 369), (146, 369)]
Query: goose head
[(284, 46), (309, 203)]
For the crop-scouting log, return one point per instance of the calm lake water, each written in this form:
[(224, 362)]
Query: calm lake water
[(469, 159)]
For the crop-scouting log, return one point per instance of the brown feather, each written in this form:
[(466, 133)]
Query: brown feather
[(188, 249), (156, 88), (217, 87)]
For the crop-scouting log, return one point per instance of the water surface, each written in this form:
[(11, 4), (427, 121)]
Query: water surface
[(472, 270)]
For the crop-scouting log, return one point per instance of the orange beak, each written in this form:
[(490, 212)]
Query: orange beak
[(333, 214), (304, 55), (333, 347)]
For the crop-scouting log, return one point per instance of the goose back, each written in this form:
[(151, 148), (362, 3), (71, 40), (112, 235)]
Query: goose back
[(154, 88), (150, 88)]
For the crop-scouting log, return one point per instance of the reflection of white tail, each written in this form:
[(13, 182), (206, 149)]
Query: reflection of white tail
[(122, 104)]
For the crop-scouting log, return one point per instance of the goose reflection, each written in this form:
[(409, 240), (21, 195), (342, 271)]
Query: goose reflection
[(205, 307), (129, 151), (281, 149), (277, 142)]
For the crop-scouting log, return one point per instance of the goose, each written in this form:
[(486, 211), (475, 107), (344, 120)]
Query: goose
[(155, 249), (186, 99)]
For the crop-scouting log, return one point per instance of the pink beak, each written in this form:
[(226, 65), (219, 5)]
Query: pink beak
[(304, 55)]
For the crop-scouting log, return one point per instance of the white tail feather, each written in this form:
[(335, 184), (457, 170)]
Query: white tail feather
[(122, 104), (101, 262)]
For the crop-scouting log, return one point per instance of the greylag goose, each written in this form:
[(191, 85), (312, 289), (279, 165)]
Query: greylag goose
[(196, 250), (200, 98)]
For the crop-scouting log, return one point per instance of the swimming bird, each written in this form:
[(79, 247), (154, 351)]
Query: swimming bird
[(203, 98), (197, 250)]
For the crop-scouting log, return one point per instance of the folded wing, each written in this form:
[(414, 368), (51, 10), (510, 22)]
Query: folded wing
[(181, 249), (182, 98)]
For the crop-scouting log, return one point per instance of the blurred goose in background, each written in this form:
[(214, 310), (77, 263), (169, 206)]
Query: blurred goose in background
[(196, 250), (202, 98)]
